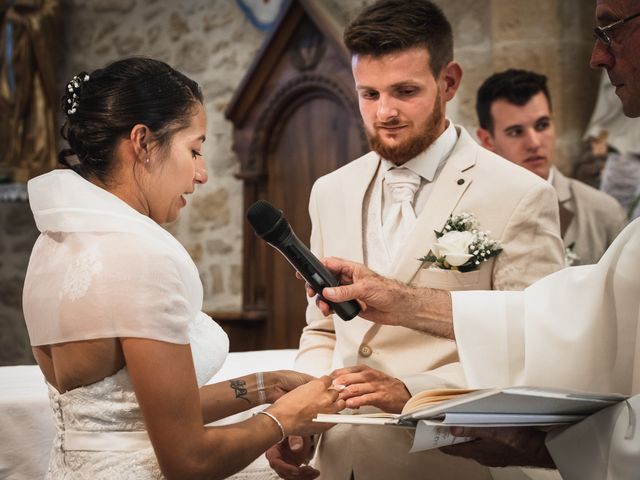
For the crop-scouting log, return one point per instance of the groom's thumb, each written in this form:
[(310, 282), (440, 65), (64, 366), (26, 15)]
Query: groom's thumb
[(295, 443)]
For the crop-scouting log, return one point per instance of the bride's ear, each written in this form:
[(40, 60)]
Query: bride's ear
[(140, 137)]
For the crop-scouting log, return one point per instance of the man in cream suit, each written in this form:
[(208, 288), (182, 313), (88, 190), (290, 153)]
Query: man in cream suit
[(577, 328), (404, 75), (516, 122)]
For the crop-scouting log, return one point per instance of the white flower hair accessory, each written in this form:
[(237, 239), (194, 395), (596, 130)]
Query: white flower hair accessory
[(461, 245), (73, 87)]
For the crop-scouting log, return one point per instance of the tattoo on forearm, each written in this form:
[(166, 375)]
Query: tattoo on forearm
[(240, 388)]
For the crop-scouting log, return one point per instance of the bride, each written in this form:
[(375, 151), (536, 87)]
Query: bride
[(112, 301)]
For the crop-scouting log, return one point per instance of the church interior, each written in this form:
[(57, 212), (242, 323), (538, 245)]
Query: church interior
[(281, 112)]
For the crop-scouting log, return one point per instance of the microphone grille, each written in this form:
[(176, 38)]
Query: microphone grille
[(263, 217)]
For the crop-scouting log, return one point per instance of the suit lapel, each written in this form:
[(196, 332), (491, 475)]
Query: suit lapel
[(453, 181), (563, 191)]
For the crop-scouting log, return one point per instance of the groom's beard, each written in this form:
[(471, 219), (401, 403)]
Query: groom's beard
[(414, 145)]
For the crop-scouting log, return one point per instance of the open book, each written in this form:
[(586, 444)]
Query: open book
[(433, 411)]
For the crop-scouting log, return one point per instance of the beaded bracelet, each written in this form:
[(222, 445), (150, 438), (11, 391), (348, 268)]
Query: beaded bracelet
[(273, 417), (262, 397)]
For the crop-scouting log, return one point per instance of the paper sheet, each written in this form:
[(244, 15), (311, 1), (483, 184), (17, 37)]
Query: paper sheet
[(432, 435)]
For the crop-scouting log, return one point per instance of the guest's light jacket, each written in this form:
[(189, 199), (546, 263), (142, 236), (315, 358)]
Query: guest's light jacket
[(594, 218)]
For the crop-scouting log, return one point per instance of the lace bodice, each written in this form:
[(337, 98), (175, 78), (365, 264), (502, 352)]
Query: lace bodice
[(106, 406), (83, 416)]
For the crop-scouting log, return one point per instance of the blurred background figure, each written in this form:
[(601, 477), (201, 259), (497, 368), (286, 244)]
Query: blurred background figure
[(30, 48), (514, 110), (615, 140)]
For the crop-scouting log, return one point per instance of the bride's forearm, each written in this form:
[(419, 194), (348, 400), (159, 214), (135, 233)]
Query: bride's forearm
[(219, 400)]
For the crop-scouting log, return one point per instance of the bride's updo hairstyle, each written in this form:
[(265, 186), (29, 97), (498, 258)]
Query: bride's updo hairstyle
[(103, 106)]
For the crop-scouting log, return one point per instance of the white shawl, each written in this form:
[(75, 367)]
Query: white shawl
[(100, 269)]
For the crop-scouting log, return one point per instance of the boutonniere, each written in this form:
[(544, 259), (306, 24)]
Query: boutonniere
[(461, 245), (570, 255)]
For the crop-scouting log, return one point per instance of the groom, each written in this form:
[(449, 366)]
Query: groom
[(383, 209)]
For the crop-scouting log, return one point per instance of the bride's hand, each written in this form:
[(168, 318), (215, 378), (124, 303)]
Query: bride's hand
[(297, 409), (283, 381)]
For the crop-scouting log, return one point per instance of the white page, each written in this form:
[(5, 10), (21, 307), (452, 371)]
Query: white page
[(432, 435), (356, 419), (505, 420)]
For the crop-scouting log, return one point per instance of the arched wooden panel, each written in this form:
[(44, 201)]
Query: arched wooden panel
[(316, 137), (296, 118), (310, 128)]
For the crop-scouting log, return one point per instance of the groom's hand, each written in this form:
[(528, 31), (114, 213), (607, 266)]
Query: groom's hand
[(288, 458), (362, 385)]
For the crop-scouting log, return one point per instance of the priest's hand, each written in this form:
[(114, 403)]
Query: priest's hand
[(380, 298), (386, 301), (503, 446), (362, 385), (289, 458)]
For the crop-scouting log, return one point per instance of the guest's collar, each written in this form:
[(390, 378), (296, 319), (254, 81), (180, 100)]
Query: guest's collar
[(426, 163), (552, 174)]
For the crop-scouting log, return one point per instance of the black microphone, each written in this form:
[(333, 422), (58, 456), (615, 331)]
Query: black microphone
[(269, 224)]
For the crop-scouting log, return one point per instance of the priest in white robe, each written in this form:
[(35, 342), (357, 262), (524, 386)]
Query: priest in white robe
[(574, 329)]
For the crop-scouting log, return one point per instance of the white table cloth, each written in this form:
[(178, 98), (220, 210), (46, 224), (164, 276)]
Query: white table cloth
[(26, 423)]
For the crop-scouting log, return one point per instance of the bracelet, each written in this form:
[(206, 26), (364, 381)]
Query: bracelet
[(262, 397), (273, 417)]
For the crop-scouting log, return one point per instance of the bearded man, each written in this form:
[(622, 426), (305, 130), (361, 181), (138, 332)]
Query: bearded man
[(383, 209)]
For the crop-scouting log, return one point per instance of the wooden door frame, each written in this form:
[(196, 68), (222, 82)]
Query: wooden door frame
[(254, 173)]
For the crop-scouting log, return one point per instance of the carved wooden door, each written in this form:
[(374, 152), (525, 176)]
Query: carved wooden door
[(296, 118), (318, 135)]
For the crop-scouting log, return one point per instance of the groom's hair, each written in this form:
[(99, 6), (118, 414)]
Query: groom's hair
[(390, 26)]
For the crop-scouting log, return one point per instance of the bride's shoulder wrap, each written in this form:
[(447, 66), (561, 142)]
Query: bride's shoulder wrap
[(101, 269)]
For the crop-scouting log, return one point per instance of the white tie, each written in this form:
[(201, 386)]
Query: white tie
[(400, 217)]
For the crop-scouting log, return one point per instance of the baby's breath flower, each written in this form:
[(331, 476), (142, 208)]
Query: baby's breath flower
[(479, 248)]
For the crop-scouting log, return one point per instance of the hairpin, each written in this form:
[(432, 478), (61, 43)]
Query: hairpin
[(73, 86)]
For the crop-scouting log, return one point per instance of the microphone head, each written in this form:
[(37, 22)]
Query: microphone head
[(267, 221)]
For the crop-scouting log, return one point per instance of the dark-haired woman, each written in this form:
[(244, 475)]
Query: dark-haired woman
[(112, 301)]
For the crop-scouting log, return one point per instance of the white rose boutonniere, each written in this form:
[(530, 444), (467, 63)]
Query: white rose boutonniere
[(570, 255), (461, 245)]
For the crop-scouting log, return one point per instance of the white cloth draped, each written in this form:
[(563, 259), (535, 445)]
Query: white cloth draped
[(603, 446), (101, 269), (575, 329)]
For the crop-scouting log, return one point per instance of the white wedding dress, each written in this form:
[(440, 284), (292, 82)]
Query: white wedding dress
[(100, 432)]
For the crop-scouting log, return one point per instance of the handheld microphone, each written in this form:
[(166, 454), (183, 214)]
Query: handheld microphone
[(269, 224)]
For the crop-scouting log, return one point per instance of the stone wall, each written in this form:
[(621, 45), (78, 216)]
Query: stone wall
[(211, 41), (18, 235)]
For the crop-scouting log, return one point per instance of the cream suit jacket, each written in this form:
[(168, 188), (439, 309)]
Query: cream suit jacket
[(575, 329), (518, 208), (596, 218)]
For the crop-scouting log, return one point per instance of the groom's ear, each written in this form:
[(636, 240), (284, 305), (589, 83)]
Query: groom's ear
[(449, 80)]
